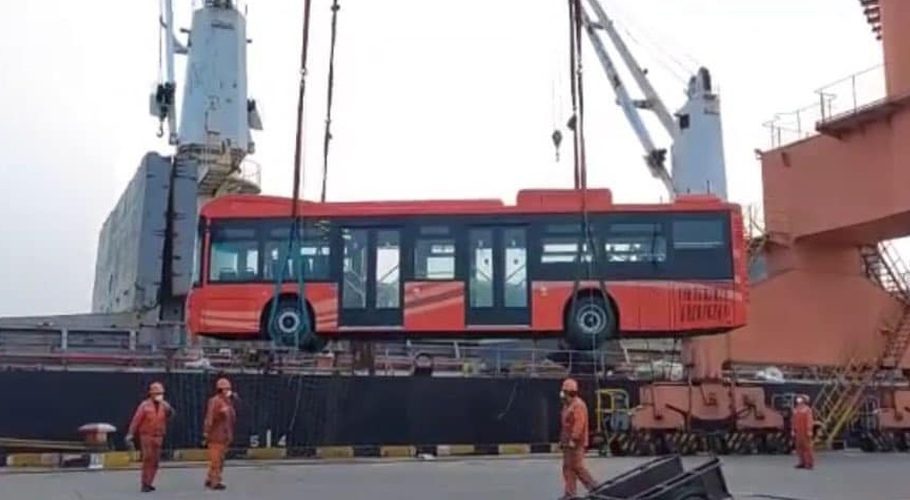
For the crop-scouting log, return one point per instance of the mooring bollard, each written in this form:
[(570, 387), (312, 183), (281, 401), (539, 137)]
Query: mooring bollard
[(95, 436)]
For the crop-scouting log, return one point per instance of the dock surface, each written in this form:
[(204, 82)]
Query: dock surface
[(839, 476)]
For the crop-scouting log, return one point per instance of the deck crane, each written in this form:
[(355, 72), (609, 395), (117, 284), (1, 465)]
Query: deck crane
[(697, 168), (697, 155)]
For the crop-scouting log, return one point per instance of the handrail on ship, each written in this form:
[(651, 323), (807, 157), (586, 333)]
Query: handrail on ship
[(56, 349), (843, 97)]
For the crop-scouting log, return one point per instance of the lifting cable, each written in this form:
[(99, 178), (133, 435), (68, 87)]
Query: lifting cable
[(161, 28), (588, 247), (573, 78), (328, 110), (656, 44), (296, 227)]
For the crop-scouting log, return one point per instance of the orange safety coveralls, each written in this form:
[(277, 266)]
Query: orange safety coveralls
[(219, 433), (802, 425), (150, 424), (574, 441)]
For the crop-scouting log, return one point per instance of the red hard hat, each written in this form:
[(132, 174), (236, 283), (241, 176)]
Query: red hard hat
[(570, 385), (223, 384), (156, 388)]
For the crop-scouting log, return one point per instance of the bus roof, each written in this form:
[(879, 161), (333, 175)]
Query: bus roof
[(529, 201)]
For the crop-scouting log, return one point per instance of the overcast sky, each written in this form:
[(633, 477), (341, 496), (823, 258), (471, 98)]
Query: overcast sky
[(433, 99)]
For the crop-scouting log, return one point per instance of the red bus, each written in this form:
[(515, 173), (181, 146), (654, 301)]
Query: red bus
[(473, 268)]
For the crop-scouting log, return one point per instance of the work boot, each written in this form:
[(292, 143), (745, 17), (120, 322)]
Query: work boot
[(219, 486), (147, 488)]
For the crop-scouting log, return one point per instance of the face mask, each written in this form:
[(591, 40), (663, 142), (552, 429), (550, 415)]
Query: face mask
[(158, 397)]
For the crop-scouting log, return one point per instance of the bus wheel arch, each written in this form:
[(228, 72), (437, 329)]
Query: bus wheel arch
[(590, 313), (288, 315)]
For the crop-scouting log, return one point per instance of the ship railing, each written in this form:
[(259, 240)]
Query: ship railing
[(240, 5), (793, 126), (839, 99), (753, 221), (250, 171), (852, 94), (465, 361), (60, 339)]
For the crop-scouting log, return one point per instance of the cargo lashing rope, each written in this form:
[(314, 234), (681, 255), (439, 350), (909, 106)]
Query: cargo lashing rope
[(303, 331)]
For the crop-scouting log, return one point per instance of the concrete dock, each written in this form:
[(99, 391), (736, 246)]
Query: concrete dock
[(839, 476)]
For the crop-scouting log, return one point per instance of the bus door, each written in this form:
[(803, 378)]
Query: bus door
[(370, 277), (498, 286), (434, 278)]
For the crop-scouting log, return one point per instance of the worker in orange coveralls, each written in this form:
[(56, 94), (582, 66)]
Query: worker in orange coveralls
[(801, 429), (150, 422), (218, 432), (574, 439)]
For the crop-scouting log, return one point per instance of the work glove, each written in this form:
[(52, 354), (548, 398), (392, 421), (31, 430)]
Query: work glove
[(129, 442)]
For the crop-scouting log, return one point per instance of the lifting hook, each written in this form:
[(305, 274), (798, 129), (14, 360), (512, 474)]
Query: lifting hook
[(557, 140)]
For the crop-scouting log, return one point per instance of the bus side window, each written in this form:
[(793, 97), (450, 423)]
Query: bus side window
[(234, 255), (635, 242), (356, 268), (315, 253), (388, 275), (698, 234), (701, 247), (197, 252), (434, 254)]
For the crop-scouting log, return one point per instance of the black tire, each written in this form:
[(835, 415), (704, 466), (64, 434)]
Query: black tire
[(590, 322), (312, 343), (900, 442), (288, 321), (867, 445), (617, 449), (664, 444)]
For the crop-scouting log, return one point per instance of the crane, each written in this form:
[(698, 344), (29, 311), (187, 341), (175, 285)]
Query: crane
[(697, 155)]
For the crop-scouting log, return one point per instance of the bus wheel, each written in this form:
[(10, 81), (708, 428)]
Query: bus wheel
[(289, 323), (312, 343), (590, 323)]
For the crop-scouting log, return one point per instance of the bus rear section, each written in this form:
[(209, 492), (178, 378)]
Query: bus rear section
[(670, 270), (671, 273)]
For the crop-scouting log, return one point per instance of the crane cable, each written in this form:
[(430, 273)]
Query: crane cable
[(658, 43), (573, 79), (331, 93), (161, 27), (296, 228), (576, 123)]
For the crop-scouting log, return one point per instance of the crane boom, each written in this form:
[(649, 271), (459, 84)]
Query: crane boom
[(654, 156), (697, 153), (652, 100)]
